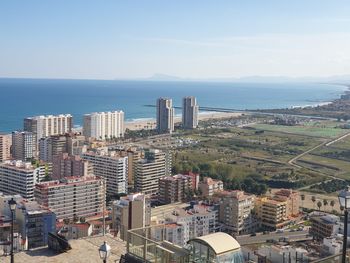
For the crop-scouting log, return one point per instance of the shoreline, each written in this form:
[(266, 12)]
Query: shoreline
[(150, 123)]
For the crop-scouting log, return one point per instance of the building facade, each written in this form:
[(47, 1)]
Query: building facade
[(5, 147), (189, 113), (271, 213), (104, 125), (44, 126), (17, 177), (156, 164), (24, 145), (130, 212), (210, 186), (73, 197), (323, 226), (165, 115), (65, 165), (35, 223), (236, 212), (177, 188), (199, 221), (112, 167)]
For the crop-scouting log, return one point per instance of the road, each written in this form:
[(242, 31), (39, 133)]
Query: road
[(261, 238)]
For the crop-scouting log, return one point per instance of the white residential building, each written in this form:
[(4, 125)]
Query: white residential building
[(17, 177), (44, 126), (189, 112), (104, 125), (112, 167), (73, 196), (199, 221), (165, 115)]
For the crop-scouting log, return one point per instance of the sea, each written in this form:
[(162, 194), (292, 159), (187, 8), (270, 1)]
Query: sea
[(20, 98)]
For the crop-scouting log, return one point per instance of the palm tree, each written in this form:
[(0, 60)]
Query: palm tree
[(325, 203), (313, 199), (332, 203), (319, 204)]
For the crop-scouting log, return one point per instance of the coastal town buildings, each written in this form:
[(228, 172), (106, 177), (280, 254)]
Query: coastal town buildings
[(189, 112), (236, 212), (198, 221), (155, 164), (111, 166), (165, 115), (44, 126), (73, 197), (210, 186), (24, 145), (17, 177), (104, 125), (177, 188), (5, 147), (64, 165), (35, 223), (130, 212), (323, 226)]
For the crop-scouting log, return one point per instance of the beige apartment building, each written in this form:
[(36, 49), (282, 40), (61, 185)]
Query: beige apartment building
[(5, 147), (65, 165), (271, 213), (177, 188), (236, 212), (156, 164), (44, 126), (73, 197), (292, 199), (130, 212), (210, 186)]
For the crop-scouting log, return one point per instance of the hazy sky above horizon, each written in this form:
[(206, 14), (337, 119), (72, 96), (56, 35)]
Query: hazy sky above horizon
[(194, 39)]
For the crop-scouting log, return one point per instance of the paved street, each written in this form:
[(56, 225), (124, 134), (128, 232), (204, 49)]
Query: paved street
[(261, 238)]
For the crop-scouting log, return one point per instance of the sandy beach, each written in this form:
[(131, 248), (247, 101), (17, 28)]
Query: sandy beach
[(149, 124)]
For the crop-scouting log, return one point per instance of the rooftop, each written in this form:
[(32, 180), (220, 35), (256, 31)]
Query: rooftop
[(220, 242), (83, 251)]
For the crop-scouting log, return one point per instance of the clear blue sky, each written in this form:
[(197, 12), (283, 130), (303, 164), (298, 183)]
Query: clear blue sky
[(187, 38)]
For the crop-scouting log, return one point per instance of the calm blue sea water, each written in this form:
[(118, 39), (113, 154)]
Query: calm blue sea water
[(20, 98)]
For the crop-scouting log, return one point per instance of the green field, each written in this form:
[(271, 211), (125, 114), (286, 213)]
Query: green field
[(324, 130)]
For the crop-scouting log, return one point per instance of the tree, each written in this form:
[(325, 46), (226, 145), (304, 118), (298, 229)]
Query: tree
[(313, 199), (302, 200), (319, 204), (325, 203)]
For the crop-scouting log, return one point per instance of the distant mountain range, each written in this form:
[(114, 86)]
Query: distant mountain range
[(340, 79)]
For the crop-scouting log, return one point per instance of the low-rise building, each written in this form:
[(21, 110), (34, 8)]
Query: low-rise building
[(332, 246), (73, 197), (198, 221), (323, 226), (210, 186)]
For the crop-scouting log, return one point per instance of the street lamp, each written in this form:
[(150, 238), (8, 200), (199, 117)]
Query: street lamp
[(105, 251), (344, 201), (12, 203)]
